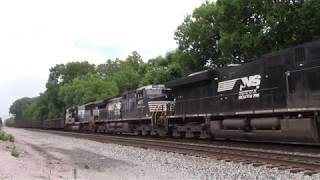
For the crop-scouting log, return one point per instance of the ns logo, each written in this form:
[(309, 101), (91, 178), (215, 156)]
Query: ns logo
[(248, 86), (250, 81), (244, 82)]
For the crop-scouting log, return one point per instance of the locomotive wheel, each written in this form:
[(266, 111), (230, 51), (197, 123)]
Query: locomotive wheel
[(161, 133), (144, 132), (176, 133)]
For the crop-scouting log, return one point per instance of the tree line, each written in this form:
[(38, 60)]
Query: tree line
[(215, 34)]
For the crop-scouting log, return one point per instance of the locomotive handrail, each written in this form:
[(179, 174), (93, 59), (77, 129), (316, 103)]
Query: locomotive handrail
[(303, 69)]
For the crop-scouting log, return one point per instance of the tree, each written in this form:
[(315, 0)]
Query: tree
[(109, 68), (126, 74), (59, 75), (84, 89), (309, 25), (235, 31), (198, 36), (23, 109), (163, 69), (64, 73)]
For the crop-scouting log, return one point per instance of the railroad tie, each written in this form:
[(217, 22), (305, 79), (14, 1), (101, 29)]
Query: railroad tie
[(283, 168), (257, 164), (310, 173), (297, 170)]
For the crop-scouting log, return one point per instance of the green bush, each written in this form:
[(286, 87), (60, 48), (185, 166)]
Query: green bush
[(6, 137), (14, 152), (3, 136), (11, 138)]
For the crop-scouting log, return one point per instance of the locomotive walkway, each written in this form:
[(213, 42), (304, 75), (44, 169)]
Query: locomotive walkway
[(281, 160)]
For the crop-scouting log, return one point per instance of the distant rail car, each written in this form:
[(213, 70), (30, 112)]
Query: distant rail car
[(275, 98), (53, 124)]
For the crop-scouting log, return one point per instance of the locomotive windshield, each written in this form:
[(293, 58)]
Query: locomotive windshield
[(151, 91), (154, 91)]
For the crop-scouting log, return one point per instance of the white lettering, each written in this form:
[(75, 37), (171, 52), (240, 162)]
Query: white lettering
[(246, 82), (250, 81)]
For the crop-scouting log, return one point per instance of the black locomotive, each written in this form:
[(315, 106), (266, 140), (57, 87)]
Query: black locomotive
[(138, 111), (274, 98)]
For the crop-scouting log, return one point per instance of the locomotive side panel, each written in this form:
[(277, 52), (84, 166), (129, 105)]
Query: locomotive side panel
[(239, 88), (193, 98), (111, 110), (130, 105), (303, 89), (274, 68)]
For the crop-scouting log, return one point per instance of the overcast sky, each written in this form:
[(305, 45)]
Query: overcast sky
[(37, 34)]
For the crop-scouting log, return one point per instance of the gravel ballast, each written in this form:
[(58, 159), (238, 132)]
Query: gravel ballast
[(71, 158)]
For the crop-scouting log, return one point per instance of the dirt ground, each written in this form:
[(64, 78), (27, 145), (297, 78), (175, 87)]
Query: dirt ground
[(34, 162), (48, 156), (47, 160)]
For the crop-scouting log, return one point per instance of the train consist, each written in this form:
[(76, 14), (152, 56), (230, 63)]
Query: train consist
[(275, 98)]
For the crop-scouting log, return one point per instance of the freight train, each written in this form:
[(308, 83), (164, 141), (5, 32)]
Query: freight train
[(274, 98)]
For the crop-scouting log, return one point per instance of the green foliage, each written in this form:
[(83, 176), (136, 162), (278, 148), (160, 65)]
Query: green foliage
[(14, 152), (109, 68), (6, 137), (21, 108), (163, 69), (126, 74), (59, 75), (128, 77), (28, 109), (64, 73), (87, 88), (197, 36), (9, 121), (235, 31), (310, 15), (3, 136), (11, 138)]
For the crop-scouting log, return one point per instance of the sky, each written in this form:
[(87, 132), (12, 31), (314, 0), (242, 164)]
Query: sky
[(38, 34)]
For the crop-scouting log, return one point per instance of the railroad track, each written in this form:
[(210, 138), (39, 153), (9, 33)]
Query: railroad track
[(308, 164)]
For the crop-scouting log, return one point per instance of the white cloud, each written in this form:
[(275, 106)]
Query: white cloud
[(37, 34)]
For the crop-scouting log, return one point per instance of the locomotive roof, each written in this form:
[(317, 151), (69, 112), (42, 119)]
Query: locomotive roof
[(153, 86), (94, 104), (192, 78), (211, 73)]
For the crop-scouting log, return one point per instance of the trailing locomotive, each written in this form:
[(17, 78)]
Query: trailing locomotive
[(140, 112), (275, 98)]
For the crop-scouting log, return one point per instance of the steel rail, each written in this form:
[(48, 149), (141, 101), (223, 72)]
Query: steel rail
[(308, 163)]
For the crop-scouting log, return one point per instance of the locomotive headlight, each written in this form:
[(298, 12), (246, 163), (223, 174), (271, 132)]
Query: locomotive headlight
[(287, 73)]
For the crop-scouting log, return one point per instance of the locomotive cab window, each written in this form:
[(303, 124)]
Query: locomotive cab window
[(140, 94), (153, 92)]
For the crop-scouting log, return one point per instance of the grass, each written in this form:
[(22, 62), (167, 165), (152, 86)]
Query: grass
[(11, 138), (6, 137), (14, 152)]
